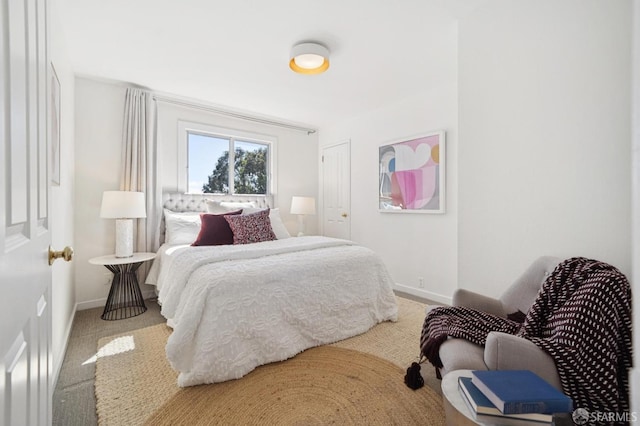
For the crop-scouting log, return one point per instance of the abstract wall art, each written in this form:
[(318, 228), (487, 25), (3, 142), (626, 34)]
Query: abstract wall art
[(412, 175)]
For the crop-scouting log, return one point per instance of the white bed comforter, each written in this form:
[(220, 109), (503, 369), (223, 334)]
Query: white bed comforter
[(234, 308)]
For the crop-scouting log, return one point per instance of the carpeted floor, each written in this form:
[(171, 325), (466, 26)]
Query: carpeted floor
[(74, 400)]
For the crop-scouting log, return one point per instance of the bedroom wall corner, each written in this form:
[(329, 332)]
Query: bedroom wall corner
[(410, 245), (99, 107)]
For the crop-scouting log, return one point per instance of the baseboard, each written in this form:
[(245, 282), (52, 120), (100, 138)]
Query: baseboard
[(423, 294), (99, 303), (67, 335)]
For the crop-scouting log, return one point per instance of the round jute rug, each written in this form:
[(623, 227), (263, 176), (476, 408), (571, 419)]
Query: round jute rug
[(323, 385)]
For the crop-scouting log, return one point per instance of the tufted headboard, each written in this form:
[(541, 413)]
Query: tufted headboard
[(181, 202)]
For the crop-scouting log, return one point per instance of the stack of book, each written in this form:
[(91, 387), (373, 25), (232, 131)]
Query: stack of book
[(512, 397)]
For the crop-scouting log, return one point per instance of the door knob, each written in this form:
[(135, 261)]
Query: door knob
[(343, 215), (66, 254)]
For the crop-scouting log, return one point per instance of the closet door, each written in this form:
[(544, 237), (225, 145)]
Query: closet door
[(336, 190)]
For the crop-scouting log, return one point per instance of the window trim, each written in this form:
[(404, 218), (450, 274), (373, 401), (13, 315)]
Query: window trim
[(186, 127)]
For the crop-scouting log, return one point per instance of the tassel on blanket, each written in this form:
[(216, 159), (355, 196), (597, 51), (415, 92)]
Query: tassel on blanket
[(413, 379), (431, 350)]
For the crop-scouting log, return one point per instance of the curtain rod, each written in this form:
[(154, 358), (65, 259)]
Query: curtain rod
[(231, 114)]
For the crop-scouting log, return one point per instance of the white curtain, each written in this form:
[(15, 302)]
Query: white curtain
[(140, 167)]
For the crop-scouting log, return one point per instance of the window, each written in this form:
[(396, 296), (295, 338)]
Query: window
[(211, 151)]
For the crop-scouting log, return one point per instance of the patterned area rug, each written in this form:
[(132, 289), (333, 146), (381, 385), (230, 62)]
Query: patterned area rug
[(355, 381)]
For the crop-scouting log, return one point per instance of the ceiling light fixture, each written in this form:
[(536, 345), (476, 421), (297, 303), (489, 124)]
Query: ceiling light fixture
[(309, 58)]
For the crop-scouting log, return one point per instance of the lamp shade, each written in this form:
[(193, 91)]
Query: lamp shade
[(303, 205), (122, 204)]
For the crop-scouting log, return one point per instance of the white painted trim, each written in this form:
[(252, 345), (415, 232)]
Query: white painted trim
[(321, 150), (60, 360), (149, 294), (227, 112), (338, 143), (184, 127), (98, 303), (90, 304), (423, 293)]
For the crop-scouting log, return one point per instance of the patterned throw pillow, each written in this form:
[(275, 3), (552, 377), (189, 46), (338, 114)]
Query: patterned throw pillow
[(276, 222), (251, 228), (214, 231)]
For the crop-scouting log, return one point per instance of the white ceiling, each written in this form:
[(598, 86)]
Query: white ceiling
[(235, 53)]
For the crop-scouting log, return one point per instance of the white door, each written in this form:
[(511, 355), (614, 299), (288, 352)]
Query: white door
[(336, 188), (25, 276)]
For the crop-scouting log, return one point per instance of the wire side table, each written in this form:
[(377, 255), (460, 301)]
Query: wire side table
[(125, 298)]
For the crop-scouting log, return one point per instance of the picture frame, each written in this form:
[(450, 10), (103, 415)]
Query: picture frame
[(54, 131), (411, 175)]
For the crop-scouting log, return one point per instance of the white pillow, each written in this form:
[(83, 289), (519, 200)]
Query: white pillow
[(218, 207), (181, 228), (276, 222)]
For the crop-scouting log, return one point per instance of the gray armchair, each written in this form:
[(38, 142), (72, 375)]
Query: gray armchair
[(503, 351)]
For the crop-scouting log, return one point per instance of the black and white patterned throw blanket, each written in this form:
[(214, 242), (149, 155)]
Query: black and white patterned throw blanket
[(581, 318)]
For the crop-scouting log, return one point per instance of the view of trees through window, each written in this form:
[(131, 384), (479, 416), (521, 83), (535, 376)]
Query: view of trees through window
[(209, 159)]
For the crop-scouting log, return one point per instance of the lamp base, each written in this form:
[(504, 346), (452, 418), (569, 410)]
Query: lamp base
[(300, 225), (124, 237)]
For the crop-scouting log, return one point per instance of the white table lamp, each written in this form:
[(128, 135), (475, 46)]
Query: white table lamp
[(123, 206), (302, 206)]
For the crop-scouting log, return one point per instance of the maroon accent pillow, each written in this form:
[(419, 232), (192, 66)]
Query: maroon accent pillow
[(214, 230), (251, 228)]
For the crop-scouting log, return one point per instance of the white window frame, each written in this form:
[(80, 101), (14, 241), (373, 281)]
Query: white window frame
[(186, 127)]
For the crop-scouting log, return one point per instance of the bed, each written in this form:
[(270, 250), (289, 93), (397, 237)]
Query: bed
[(235, 307)]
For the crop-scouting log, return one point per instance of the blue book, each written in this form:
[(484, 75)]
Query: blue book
[(482, 408), (520, 391)]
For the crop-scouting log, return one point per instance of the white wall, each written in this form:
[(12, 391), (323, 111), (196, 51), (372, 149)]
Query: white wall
[(99, 119), (544, 137), (635, 279), (411, 245), (538, 144), (62, 212)]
